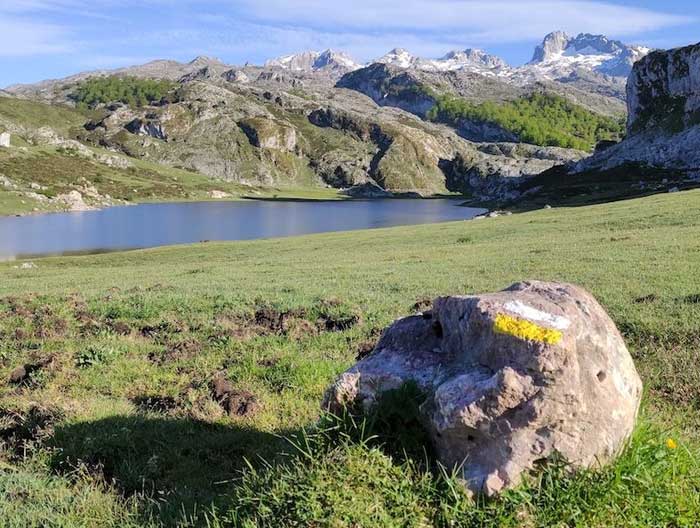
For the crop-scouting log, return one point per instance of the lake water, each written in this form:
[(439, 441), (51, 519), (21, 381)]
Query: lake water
[(150, 225)]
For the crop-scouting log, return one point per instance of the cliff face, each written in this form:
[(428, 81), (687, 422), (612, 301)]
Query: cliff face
[(663, 91), (663, 126)]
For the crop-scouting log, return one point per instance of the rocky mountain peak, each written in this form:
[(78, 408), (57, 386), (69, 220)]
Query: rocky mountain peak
[(476, 57), (311, 61), (398, 57), (552, 46), (202, 61), (560, 55), (335, 59)]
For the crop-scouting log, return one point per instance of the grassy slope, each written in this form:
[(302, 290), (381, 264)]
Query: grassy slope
[(61, 172), (137, 337), (144, 182)]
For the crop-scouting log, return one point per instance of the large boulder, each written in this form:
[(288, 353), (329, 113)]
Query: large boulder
[(512, 379)]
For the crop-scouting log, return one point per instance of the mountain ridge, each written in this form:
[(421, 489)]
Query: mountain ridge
[(559, 57)]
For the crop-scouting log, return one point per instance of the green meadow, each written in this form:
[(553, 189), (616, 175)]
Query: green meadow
[(113, 366)]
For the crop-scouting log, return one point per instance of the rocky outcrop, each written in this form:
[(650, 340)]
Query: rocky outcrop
[(484, 132), (663, 127), (367, 190), (663, 91), (498, 170), (236, 76), (267, 133), (512, 379), (390, 86), (147, 127)]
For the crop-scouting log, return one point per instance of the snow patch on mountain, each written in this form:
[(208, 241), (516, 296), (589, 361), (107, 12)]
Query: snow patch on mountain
[(559, 55), (311, 61), (474, 60)]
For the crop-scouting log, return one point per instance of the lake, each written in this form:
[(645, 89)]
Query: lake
[(150, 225)]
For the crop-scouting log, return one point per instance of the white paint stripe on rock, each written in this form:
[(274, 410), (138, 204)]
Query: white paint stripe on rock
[(533, 314)]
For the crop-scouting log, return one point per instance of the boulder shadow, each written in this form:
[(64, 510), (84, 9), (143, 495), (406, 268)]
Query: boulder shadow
[(175, 467)]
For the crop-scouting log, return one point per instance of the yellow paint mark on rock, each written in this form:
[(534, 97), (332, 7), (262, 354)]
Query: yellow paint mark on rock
[(527, 330)]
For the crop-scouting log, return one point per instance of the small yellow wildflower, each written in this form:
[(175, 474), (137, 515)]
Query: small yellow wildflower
[(523, 329), (671, 444)]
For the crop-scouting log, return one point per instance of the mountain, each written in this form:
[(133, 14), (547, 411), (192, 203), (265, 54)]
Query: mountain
[(473, 60), (312, 61), (559, 55), (49, 90), (401, 124)]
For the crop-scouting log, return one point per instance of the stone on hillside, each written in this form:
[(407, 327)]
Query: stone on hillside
[(269, 133), (219, 195), (367, 190), (5, 139), (511, 379), (147, 127), (74, 201)]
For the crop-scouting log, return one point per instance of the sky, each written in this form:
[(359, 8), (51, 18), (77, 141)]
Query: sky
[(42, 39)]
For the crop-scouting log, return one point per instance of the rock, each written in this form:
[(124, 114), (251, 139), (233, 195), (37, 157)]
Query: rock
[(511, 379), (5, 139), (7, 183), (547, 206), (269, 133), (367, 190), (18, 375), (147, 127), (23, 373), (219, 195), (236, 76), (74, 201)]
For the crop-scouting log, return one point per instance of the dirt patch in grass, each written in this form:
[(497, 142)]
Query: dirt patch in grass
[(296, 323), (365, 347), (47, 324), (36, 319), (25, 375), (647, 299), (234, 401), (422, 305), (22, 430), (119, 327)]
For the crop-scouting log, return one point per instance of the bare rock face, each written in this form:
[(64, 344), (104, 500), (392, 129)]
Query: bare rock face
[(512, 379), (663, 108)]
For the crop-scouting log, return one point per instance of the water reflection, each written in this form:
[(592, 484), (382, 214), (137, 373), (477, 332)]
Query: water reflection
[(150, 225)]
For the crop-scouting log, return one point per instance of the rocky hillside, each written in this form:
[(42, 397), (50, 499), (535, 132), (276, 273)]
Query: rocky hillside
[(663, 126), (268, 133), (466, 122)]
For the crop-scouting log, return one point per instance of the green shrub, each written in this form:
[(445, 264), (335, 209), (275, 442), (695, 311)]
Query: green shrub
[(128, 90), (540, 119)]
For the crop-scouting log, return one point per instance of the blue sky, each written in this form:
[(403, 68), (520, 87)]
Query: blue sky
[(42, 39)]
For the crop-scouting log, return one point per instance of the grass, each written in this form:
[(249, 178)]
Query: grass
[(58, 171), (120, 419), (34, 115)]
